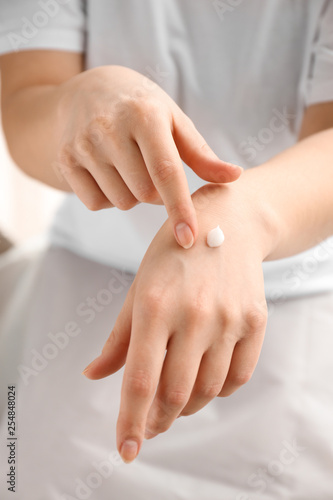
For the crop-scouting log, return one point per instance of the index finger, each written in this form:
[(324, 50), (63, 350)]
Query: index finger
[(166, 170), (142, 372)]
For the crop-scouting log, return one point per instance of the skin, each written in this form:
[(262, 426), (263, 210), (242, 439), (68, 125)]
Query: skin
[(210, 343), (109, 134)]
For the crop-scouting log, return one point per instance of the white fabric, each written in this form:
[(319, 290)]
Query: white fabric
[(234, 69), (243, 71), (42, 24), (271, 440)]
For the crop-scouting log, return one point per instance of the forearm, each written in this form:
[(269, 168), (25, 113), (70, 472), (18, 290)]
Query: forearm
[(297, 186), (32, 127), (287, 203)]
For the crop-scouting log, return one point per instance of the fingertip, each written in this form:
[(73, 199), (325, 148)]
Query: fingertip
[(92, 376), (129, 450), (229, 172), (218, 171), (87, 371), (237, 170), (103, 366), (184, 235)]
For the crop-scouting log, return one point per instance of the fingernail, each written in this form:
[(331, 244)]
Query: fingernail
[(129, 451), (90, 366), (184, 235)]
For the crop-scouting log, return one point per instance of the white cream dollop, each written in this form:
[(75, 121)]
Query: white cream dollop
[(215, 237)]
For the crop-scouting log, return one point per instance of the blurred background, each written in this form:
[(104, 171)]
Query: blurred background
[(26, 205)]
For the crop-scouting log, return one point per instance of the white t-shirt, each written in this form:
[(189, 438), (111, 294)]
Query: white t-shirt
[(242, 71)]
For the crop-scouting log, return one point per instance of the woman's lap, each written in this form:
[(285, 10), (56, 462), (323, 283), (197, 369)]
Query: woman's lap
[(270, 440)]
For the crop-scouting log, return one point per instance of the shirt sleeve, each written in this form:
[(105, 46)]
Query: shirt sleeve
[(319, 85), (42, 24)]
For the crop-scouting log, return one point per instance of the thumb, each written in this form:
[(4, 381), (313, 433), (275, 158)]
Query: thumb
[(196, 153), (114, 352)]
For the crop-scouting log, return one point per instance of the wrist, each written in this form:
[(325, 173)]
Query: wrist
[(244, 216)]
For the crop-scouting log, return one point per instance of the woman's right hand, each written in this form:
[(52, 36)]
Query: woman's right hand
[(122, 143)]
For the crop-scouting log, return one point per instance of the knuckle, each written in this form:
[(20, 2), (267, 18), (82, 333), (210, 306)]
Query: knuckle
[(136, 103), (129, 426), (208, 391), (66, 160), (95, 135), (175, 399), (160, 426), (154, 300), (104, 122), (83, 145), (108, 126), (229, 316), (125, 203), (197, 312), (162, 419), (140, 384), (164, 170), (240, 378), (157, 427), (118, 141), (201, 305), (255, 319), (95, 201), (146, 192), (144, 106), (182, 210), (139, 108), (122, 113)]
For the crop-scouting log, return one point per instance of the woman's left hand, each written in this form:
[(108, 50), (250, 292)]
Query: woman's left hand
[(193, 322)]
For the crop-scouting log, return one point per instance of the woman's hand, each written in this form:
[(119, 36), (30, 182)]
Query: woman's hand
[(193, 322), (123, 141)]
